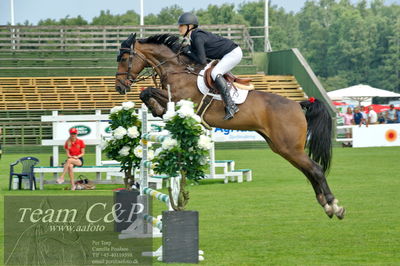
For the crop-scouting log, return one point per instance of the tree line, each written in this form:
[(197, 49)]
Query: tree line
[(345, 43)]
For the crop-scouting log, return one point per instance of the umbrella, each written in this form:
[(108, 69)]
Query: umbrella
[(360, 93), (381, 108), (338, 103)]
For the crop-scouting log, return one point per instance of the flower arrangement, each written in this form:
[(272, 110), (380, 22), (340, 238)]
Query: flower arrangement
[(185, 152), (124, 145)]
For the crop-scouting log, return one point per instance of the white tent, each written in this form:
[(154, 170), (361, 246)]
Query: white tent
[(360, 93)]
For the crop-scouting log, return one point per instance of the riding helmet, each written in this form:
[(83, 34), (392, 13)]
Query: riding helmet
[(187, 19)]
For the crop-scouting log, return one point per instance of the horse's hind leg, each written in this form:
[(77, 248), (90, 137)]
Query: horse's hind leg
[(318, 180), (303, 163), (298, 158)]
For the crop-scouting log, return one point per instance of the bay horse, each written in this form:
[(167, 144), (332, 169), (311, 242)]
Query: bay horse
[(287, 126)]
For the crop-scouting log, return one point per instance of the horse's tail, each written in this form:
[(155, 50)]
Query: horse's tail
[(319, 132)]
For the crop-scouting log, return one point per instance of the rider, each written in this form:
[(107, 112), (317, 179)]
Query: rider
[(205, 45)]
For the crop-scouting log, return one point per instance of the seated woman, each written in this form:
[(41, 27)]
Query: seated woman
[(75, 149), (203, 45)]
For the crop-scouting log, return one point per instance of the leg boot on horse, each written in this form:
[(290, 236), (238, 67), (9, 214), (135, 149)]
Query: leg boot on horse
[(230, 107)]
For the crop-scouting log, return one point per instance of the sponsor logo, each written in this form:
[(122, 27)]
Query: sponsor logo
[(82, 130), (391, 135)]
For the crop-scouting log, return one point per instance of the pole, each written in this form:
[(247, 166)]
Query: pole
[(12, 23), (267, 45), (12, 12), (141, 18)]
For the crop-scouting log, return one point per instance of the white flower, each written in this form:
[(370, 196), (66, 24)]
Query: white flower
[(157, 152), (104, 144), (203, 161), (205, 142), (116, 109), (119, 132), (128, 105), (146, 142), (185, 111), (138, 151), (169, 115), (133, 132), (124, 151), (150, 155), (197, 118), (187, 103), (169, 143)]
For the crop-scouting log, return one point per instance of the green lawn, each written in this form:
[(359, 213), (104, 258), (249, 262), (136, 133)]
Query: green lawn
[(276, 220)]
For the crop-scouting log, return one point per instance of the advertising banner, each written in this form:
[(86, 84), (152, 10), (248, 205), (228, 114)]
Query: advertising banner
[(86, 130), (230, 135), (376, 135)]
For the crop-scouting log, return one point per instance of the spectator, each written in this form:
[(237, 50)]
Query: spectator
[(391, 115), (75, 149), (357, 117), (381, 118), (372, 116), (398, 115), (364, 114), (348, 116)]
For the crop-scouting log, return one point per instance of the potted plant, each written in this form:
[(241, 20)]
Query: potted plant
[(183, 153)]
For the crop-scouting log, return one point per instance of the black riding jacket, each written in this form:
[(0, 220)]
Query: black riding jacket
[(205, 45)]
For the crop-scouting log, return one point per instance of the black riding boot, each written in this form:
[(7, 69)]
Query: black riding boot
[(230, 106)]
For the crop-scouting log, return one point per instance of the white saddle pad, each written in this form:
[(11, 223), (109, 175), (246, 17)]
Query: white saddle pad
[(238, 95)]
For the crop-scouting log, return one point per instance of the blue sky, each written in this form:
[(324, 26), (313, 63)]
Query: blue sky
[(34, 10)]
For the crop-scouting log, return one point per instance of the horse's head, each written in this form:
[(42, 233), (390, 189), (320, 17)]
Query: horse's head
[(130, 63)]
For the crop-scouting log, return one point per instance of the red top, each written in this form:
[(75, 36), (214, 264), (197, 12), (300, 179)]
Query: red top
[(76, 147)]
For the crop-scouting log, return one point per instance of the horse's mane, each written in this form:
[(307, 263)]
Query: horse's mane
[(171, 41)]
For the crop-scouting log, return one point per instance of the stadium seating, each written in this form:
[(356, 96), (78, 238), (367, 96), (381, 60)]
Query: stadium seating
[(97, 92)]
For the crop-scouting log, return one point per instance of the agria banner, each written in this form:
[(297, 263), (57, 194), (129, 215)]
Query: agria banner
[(224, 135)]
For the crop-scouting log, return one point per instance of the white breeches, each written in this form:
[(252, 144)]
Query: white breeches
[(229, 61)]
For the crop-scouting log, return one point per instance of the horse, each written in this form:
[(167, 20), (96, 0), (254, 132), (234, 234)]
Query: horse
[(287, 126)]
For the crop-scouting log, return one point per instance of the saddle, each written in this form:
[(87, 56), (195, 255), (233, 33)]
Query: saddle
[(239, 83)]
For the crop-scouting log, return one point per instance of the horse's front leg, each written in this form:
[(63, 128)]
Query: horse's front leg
[(156, 100)]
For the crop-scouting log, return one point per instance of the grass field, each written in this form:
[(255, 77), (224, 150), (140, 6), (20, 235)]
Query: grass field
[(275, 220)]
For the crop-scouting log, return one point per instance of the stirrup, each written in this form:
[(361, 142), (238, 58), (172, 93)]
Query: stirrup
[(230, 115)]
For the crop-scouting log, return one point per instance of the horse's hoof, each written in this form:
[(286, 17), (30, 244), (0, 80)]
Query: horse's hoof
[(340, 214), (329, 210)]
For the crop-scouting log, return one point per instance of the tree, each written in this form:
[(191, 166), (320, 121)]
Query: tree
[(106, 18), (224, 14)]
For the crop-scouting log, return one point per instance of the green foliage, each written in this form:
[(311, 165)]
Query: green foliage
[(124, 118), (167, 16), (224, 14), (106, 18), (185, 152), (186, 156), (67, 21)]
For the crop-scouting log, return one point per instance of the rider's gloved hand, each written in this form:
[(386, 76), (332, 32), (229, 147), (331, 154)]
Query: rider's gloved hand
[(186, 50)]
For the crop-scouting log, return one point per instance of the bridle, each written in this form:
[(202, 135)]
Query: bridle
[(155, 70), (128, 73)]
